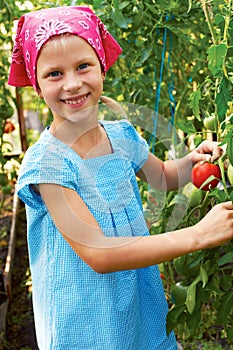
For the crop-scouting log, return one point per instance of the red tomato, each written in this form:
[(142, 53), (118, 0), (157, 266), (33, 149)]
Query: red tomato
[(9, 127), (202, 171)]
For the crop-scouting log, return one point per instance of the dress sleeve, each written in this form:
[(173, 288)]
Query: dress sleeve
[(135, 145), (43, 164)]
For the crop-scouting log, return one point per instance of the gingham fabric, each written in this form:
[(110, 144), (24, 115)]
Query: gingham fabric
[(75, 307)]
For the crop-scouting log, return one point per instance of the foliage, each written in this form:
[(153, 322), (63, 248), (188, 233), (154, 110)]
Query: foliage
[(7, 14), (177, 62), (206, 277)]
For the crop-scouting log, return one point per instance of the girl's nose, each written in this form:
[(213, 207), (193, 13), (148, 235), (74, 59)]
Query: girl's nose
[(72, 83)]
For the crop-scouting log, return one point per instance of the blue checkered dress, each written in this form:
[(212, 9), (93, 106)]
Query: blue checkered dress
[(75, 307)]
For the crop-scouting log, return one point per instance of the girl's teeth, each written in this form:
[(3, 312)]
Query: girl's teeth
[(73, 102)]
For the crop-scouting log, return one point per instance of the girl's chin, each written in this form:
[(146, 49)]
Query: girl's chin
[(76, 117)]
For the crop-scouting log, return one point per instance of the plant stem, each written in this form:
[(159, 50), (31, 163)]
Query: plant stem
[(226, 27), (227, 21), (221, 165), (204, 205), (171, 271), (206, 9)]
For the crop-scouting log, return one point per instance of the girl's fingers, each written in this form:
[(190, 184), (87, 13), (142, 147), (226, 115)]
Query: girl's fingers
[(228, 205)]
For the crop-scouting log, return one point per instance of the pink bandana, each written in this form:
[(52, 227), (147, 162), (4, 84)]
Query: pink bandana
[(35, 28)]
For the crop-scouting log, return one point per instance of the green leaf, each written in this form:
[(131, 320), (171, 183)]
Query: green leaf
[(225, 308), (6, 189), (229, 149), (230, 33), (219, 195), (178, 293), (226, 282), (119, 19), (186, 127), (203, 276), (191, 295), (223, 96), (213, 285), (210, 267), (204, 295), (96, 4), (173, 316), (116, 4), (225, 259), (145, 54), (193, 321), (230, 333), (194, 103), (191, 298), (124, 4), (216, 57), (219, 19), (229, 142)]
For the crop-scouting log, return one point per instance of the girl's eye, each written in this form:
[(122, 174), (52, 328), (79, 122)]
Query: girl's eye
[(83, 66), (54, 74)]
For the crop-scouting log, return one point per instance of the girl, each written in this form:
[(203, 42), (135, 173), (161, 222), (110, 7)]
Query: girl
[(96, 285)]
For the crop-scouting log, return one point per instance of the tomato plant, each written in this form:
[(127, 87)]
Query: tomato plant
[(202, 171)]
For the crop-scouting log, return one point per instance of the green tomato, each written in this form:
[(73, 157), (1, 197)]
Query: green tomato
[(178, 293), (230, 174), (194, 194), (210, 123)]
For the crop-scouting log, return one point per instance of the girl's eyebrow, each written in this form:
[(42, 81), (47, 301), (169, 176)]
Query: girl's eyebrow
[(53, 68), (79, 61), (47, 70)]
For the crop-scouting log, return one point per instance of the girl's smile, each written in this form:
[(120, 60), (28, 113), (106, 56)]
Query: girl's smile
[(70, 78), (75, 100)]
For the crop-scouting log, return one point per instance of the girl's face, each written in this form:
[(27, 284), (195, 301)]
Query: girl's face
[(70, 78)]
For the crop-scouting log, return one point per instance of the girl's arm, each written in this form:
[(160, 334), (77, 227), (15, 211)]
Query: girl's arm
[(109, 254), (172, 174)]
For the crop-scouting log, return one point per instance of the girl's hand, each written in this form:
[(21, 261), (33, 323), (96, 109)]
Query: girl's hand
[(207, 151), (216, 227)]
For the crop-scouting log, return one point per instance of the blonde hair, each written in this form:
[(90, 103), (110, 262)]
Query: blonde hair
[(114, 106)]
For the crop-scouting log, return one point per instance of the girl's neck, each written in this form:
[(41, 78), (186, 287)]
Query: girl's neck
[(87, 141)]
